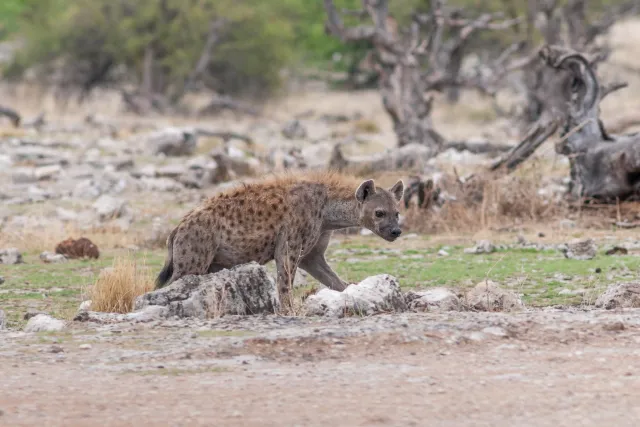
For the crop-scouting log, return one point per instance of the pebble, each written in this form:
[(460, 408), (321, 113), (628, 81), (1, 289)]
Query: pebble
[(84, 346), (56, 349)]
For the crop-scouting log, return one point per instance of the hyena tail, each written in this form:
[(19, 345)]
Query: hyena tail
[(167, 270)]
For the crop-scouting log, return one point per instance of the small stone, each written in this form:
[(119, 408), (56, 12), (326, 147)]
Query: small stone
[(85, 306), (482, 247), (50, 258), (541, 235), (436, 299), (3, 320), (44, 323), (366, 232), (495, 331), (620, 295), (108, 207), (84, 346), (598, 270), (442, 252), (488, 296), (1, 280), (10, 256), (617, 250), (56, 349), (614, 326), (567, 224), (579, 249)]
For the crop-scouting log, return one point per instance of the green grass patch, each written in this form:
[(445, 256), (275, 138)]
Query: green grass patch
[(57, 289)]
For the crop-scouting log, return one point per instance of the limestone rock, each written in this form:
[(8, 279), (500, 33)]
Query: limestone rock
[(44, 323), (244, 289), (375, 294), (579, 249), (620, 295), (482, 247), (436, 299), (172, 142), (108, 207), (488, 296), (146, 314), (49, 258), (10, 256)]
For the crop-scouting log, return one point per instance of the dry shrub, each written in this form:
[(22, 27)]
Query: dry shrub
[(366, 126), (116, 288), (485, 202)]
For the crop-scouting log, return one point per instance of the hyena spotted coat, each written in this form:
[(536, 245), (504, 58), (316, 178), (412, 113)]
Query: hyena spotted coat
[(288, 218)]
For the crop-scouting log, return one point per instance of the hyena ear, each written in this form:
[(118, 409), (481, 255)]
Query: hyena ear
[(366, 189), (397, 190)]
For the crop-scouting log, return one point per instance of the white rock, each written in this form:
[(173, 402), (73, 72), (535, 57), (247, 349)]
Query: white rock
[(160, 184), (44, 323), (47, 172), (482, 247), (442, 252), (495, 331), (172, 141), (244, 289), (145, 314), (51, 258), (85, 305), (488, 296), (436, 299), (620, 295), (84, 346), (375, 294), (66, 214), (10, 256), (108, 207), (3, 320), (579, 249)]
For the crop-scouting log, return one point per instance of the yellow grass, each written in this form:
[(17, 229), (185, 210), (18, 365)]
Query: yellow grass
[(116, 289)]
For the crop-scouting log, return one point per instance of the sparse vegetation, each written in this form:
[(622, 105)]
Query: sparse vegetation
[(116, 289)]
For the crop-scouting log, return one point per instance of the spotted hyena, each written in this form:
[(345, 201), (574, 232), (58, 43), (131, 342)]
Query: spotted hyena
[(288, 218)]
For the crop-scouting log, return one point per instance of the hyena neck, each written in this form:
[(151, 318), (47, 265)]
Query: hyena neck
[(341, 213)]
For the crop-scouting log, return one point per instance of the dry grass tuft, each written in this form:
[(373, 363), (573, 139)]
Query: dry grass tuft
[(37, 239), (116, 288), (366, 126), (487, 203)]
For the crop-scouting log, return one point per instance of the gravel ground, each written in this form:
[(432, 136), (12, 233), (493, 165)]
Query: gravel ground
[(534, 368)]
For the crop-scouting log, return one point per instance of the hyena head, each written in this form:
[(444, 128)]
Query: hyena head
[(379, 208)]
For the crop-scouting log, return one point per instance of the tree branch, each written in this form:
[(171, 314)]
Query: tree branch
[(11, 114)]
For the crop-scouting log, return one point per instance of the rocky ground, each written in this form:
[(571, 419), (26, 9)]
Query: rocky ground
[(533, 368), (564, 355)]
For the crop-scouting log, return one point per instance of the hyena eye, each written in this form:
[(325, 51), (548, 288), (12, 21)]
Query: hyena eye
[(379, 214)]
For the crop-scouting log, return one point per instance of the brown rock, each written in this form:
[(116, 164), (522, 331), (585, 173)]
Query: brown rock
[(81, 248)]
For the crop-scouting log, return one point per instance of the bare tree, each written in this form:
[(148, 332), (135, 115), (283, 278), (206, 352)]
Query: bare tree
[(603, 166), (567, 26), (412, 63)]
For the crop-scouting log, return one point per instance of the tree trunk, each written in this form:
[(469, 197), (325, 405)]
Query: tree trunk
[(403, 97)]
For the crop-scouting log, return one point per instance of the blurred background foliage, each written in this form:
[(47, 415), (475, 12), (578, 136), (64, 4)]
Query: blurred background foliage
[(108, 38)]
